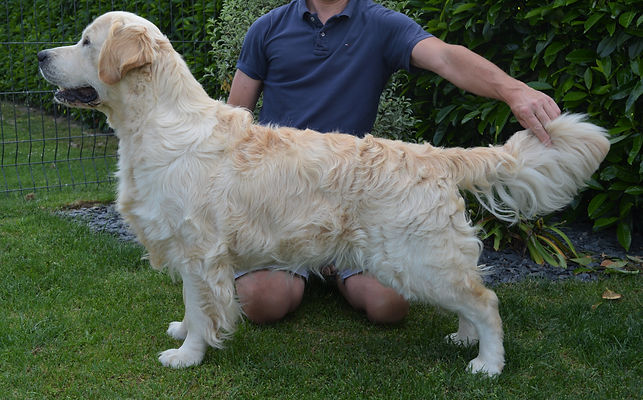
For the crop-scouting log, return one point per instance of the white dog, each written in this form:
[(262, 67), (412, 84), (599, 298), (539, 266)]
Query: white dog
[(207, 191)]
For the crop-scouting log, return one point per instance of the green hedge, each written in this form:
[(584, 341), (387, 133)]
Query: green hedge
[(586, 54)]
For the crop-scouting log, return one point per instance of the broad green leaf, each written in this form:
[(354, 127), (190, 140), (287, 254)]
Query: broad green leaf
[(620, 138), (588, 77), (443, 113), (592, 20), (636, 93), (635, 49), (605, 66), (634, 190), (552, 50), (595, 204), (636, 148), (624, 235), (616, 171), (594, 184), (501, 117), (574, 96), (464, 7), (626, 18), (619, 186), (469, 116), (539, 85), (625, 207), (606, 46), (604, 222), (611, 28), (579, 56), (601, 90), (535, 12)]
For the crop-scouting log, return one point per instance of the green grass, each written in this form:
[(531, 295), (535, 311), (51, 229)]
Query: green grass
[(40, 151), (83, 317)]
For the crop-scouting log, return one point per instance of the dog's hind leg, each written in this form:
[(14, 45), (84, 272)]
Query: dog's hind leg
[(478, 306), (479, 320), (466, 334), (177, 330)]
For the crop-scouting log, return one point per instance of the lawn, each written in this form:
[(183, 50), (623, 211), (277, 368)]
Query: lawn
[(84, 317), (38, 150)]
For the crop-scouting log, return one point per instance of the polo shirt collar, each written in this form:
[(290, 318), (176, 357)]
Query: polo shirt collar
[(303, 11)]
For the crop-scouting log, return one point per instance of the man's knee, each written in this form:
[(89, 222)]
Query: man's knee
[(381, 304), (387, 308), (267, 296)]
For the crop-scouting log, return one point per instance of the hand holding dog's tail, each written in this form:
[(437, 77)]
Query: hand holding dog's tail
[(527, 178)]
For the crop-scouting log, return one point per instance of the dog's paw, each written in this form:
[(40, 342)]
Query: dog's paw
[(478, 366), (177, 330), (180, 358), (456, 339)]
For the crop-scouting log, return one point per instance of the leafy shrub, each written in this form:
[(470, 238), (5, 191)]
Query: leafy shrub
[(585, 53)]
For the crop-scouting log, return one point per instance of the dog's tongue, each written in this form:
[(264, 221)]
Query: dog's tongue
[(78, 95)]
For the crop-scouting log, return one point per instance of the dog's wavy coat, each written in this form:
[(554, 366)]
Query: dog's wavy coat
[(207, 191)]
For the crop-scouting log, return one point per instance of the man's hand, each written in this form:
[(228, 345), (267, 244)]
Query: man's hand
[(534, 110)]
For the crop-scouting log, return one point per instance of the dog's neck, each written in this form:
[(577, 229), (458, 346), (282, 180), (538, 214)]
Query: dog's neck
[(163, 90)]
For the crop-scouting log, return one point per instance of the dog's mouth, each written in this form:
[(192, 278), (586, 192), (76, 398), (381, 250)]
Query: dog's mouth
[(79, 97)]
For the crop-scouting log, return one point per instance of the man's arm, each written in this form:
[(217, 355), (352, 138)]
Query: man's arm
[(473, 73), (244, 91)]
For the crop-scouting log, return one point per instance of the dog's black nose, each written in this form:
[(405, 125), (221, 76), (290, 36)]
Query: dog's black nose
[(42, 55)]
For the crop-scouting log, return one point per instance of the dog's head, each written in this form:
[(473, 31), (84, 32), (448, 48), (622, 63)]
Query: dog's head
[(114, 45)]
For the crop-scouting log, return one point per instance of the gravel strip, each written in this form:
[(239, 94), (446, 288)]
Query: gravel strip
[(502, 266)]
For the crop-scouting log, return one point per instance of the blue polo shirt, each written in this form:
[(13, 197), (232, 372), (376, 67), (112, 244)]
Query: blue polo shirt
[(327, 77)]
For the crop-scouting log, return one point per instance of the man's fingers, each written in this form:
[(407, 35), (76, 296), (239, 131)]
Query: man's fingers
[(537, 126), (552, 109)]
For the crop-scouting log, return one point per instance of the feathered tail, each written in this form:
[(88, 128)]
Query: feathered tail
[(525, 178)]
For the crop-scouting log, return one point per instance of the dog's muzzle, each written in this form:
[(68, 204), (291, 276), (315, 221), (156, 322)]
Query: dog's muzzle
[(78, 96)]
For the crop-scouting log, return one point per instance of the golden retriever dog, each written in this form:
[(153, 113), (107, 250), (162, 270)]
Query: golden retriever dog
[(208, 192)]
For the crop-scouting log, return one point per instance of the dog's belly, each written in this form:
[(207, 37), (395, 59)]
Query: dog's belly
[(311, 246)]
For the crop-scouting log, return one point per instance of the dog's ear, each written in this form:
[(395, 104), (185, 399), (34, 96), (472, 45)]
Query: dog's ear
[(126, 47)]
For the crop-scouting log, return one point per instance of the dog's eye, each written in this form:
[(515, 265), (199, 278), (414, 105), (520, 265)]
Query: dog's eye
[(86, 42)]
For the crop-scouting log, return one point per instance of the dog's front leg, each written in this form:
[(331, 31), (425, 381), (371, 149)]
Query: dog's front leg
[(194, 346), (211, 312)]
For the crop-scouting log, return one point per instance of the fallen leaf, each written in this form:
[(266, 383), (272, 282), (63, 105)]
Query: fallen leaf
[(30, 196), (613, 264), (609, 295), (585, 260)]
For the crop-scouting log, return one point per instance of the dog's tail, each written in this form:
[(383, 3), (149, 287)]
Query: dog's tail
[(526, 178)]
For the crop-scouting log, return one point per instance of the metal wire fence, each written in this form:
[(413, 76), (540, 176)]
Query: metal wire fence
[(45, 146)]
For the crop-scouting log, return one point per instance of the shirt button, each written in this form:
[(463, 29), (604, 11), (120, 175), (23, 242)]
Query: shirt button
[(322, 34)]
